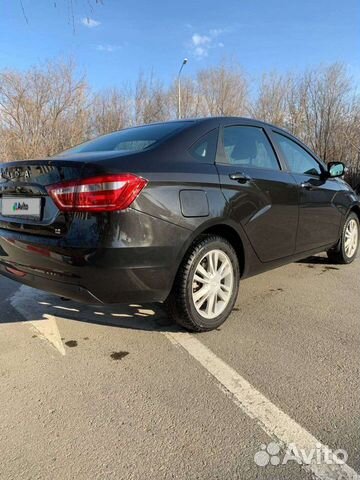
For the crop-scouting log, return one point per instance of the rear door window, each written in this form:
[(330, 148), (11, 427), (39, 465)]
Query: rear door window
[(249, 147)]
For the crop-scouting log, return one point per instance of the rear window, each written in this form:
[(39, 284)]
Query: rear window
[(130, 140)]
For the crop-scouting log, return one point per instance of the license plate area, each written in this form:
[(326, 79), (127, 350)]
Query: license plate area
[(21, 207)]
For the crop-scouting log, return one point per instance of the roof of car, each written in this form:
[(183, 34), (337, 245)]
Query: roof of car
[(220, 119), (234, 120), (212, 122)]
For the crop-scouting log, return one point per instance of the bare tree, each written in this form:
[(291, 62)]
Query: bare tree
[(325, 104), (111, 110), (151, 100), (88, 5), (43, 110), (271, 104), (191, 100), (224, 90)]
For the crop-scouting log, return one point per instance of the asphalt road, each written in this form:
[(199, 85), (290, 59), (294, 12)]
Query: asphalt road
[(120, 393)]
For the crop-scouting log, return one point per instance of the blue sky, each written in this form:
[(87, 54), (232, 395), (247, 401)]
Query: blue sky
[(115, 40)]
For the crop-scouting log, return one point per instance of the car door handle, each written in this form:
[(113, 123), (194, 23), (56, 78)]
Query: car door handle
[(240, 177), (309, 186)]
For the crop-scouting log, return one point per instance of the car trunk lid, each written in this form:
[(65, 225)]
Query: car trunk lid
[(25, 204)]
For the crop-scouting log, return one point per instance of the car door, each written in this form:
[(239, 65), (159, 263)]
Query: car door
[(261, 196), (319, 217)]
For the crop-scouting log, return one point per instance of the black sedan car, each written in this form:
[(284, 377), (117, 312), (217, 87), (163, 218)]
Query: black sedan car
[(174, 212)]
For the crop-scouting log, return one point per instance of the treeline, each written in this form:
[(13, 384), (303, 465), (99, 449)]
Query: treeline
[(47, 109)]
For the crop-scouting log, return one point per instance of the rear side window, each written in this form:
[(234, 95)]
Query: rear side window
[(131, 139), (204, 150), (298, 160), (249, 147)]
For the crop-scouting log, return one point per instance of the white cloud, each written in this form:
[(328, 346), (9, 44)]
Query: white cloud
[(108, 48), (201, 44), (201, 52), (200, 40), (90, 22)]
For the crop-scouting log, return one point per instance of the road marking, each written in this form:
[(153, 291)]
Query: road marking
[(66, 308), (44, 324), (269, 417), (48, 330)]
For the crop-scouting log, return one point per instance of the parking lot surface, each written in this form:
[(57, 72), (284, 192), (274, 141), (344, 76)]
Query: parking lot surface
[(120, 393)]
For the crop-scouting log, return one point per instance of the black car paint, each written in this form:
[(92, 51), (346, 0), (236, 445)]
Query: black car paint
[(133, 255)]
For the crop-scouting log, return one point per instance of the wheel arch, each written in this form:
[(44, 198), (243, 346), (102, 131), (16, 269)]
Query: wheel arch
[(355, 209), (230, 232), (233, 237)]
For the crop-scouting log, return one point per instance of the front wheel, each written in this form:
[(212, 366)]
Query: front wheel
[(206, 285), (348, 246)]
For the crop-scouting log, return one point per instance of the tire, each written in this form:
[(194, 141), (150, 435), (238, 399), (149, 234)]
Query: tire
[(342, 254), (191, 311)]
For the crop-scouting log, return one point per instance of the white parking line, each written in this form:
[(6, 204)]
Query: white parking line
[(26, 301), (269, 417), (48, 330)]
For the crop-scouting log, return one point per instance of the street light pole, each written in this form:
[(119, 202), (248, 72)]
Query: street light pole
[(185, 61)]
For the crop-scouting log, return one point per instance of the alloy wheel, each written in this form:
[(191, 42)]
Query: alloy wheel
[(213, 284), (351, 238)]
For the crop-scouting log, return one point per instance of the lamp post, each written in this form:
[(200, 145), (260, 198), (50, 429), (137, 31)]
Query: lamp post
[(185, 61)]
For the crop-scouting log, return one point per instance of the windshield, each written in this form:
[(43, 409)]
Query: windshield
[(129, 140)]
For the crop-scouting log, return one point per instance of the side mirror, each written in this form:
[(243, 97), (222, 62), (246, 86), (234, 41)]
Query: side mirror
[(336, 169)]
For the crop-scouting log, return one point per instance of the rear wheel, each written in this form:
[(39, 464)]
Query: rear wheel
[(206, 285), (348, 246)]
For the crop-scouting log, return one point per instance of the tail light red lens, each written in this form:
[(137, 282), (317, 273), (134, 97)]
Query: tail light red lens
[(15, 271), (104, 193)]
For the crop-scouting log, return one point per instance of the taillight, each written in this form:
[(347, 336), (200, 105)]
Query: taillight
[(105, 193), (15, 271)]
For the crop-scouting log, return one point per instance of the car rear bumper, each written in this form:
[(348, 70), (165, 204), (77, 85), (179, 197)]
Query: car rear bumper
[(67, 290), (130, 272), (128, 287)]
